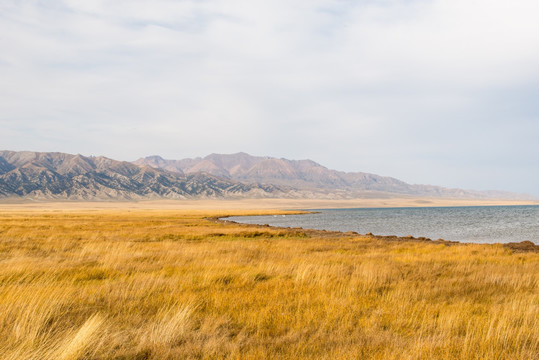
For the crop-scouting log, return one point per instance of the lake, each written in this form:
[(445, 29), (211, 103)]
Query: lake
[(477, 224)]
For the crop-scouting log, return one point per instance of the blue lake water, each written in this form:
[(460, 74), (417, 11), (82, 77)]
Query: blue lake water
[(477, 224)]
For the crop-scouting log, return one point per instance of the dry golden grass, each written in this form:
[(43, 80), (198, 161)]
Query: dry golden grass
[(172, 285)]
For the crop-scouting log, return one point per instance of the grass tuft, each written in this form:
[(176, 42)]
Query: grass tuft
[(79, 345)]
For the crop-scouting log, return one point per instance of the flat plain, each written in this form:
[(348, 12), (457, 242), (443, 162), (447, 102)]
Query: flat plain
[(124, 282)]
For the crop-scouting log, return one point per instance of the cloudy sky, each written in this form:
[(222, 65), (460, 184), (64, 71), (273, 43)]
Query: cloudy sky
[(442, 92)]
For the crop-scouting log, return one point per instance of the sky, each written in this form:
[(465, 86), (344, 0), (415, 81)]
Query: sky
[(442, 92)]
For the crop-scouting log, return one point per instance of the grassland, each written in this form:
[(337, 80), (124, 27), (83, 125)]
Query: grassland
[(169, 284)]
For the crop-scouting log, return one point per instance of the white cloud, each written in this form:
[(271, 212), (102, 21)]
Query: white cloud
[(356, 85)]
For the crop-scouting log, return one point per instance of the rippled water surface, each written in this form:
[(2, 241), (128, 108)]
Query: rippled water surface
[(479, 224)]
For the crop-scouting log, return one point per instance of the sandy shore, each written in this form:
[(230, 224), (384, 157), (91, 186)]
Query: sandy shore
[(278, 204)]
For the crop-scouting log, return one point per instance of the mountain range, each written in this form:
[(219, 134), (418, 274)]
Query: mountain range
[(42, 175), (308, 177), (64, 176)]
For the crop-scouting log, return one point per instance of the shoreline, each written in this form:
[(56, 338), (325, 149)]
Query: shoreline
[(523, 246), (275, 206)]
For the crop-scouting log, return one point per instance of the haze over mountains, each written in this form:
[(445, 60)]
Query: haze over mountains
[(36, 175), (308, 177)]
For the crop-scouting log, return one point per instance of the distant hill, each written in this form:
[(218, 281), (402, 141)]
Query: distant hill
[(64, 176), (41, 175), (308, 177)]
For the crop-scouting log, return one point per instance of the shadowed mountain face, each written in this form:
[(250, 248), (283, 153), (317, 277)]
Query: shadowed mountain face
[(64, 176), (307, 176)]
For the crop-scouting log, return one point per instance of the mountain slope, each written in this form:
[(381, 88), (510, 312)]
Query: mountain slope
[(307, 175), (65, 176), (75, 177)]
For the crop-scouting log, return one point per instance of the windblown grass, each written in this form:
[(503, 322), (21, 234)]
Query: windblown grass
[(173, 285)]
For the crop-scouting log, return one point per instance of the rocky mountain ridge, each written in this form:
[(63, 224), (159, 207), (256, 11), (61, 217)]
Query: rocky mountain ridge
[(308, 176), (41, 175), (75, 177)]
